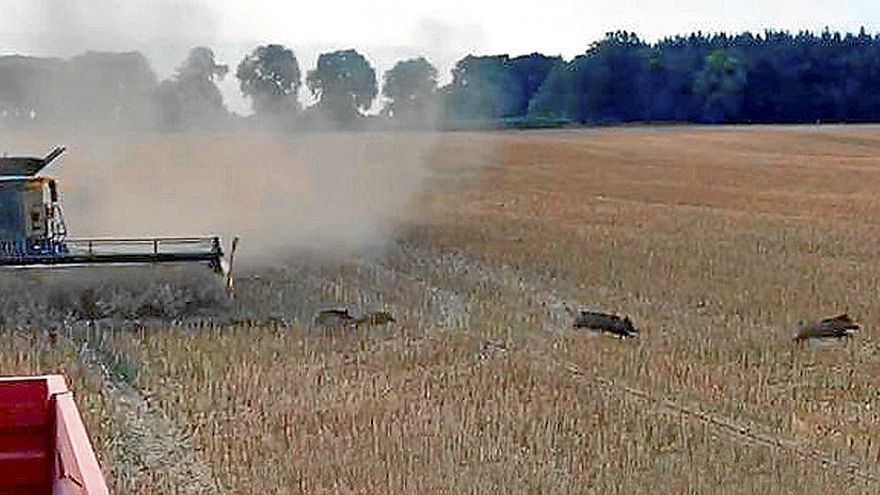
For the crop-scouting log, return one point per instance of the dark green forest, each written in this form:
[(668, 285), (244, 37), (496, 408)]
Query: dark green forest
[(771, 77)]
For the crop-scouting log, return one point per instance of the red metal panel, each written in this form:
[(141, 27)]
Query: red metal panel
[(77, 470), (23, 490), (25, 441), (26, 468), (24, 403), (44, 448)]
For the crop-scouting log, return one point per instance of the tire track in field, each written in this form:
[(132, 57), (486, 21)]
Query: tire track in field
[(150, 442), (554, 305), (436, 286), (748, 434)]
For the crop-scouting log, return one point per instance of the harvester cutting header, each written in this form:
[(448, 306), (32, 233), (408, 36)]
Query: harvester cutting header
[(33, 233)]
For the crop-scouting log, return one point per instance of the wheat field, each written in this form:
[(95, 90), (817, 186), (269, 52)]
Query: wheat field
[(716, 241)]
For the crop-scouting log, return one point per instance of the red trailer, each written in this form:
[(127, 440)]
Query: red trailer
[(44, 448)]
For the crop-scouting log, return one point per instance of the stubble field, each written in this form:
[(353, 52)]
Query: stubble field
[(715, 240)]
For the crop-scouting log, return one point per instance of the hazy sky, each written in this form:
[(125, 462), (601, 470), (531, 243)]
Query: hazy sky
[(388, 30)]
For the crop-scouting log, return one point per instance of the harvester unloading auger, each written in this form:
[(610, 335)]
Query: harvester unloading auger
[(33, 233)]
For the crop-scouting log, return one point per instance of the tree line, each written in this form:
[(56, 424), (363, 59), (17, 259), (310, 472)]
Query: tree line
[(705, 78), (770, 77)]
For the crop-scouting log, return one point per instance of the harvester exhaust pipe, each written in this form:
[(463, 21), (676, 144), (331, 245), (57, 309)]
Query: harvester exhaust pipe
[(58, 151)]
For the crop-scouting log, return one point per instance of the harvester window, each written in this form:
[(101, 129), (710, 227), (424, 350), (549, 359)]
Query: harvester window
[(9, 214)]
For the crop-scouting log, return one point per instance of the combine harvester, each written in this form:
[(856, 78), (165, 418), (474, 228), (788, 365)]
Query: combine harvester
[(44, 448), (33, 233)]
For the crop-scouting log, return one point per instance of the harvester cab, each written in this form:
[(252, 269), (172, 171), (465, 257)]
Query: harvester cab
[(33, 233), (31, 222)]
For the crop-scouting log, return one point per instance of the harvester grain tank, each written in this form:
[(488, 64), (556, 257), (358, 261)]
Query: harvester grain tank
[(33, 232)]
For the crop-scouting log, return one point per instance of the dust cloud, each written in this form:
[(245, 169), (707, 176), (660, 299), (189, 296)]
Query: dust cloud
[(318, 191), (321, 195), (331, 193)]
